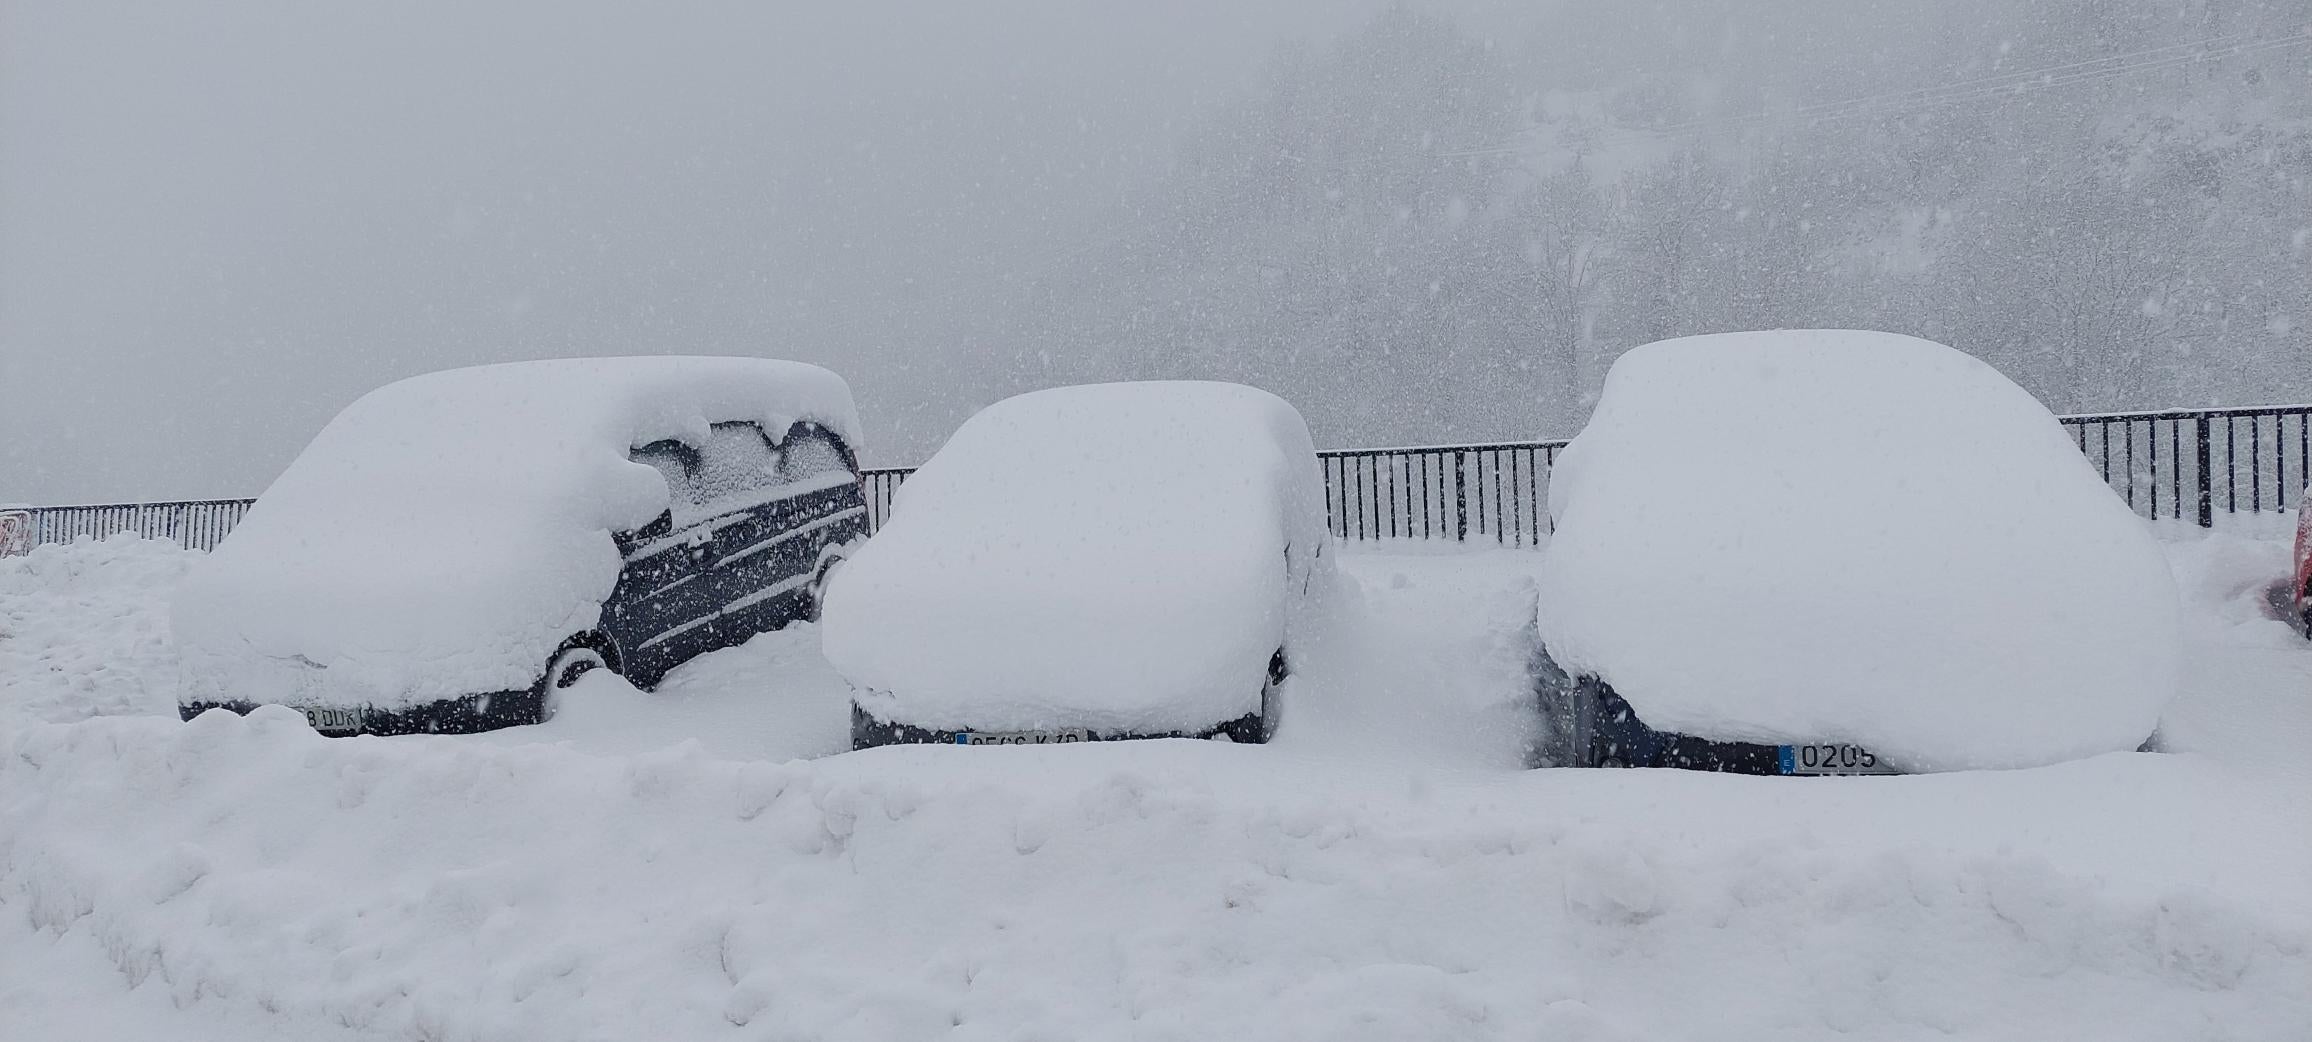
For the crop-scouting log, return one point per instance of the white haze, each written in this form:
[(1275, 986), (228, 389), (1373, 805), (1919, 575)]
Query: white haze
[(219, 223)]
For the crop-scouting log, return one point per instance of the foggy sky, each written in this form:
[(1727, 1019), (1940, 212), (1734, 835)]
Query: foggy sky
[(219, 223)]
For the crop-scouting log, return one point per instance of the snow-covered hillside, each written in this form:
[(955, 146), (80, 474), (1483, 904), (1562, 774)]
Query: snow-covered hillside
[(691, 865)]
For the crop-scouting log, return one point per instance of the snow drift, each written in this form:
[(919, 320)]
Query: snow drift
[(1372, 876), (1118, 556), (436, 888), (445, 533), (1853, 536), (84, 628)]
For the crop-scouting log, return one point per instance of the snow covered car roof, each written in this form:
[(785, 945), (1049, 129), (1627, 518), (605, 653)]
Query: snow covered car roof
[(1829, 535), (1110, 556), (443, 534)]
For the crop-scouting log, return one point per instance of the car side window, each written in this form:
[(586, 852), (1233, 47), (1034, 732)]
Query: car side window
[(678, 464), (735, 465), (811, 453)]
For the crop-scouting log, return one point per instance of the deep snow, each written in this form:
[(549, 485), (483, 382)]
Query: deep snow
[(1382, 872), (1839, 535)]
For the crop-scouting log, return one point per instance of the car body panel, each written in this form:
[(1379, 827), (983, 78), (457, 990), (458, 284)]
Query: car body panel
[(1585, 723), (467, 715), (869, 730)]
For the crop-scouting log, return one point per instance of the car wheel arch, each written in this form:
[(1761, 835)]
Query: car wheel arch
[(595, 644), (831, 559)]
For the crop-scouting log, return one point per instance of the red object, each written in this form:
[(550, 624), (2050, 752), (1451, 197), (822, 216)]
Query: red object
[(2300, 591)]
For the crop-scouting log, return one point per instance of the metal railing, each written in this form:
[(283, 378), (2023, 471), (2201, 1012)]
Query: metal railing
[(195, 524), (2188, 464), (2195, 464), (880, 484), (1497, 492)]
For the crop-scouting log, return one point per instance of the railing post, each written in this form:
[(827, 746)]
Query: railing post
[(1460, 500), (2207, 468)]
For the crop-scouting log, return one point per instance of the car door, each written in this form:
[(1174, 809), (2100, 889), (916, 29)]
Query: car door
[(663, 603), (739, 488), (810, 501)]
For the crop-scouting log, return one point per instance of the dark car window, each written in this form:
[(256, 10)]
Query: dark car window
[(811, 453), (734, 466)]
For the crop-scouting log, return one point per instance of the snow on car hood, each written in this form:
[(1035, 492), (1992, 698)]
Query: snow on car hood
[(445, 533), (1110, 556), (1850, 536)]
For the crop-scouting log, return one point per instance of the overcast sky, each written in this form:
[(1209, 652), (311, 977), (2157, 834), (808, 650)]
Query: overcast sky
[(221, 222)]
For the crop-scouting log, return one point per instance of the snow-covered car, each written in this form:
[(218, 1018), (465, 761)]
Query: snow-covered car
[(1841, 552), (455, 549), (2300, 587), (1129, 560)]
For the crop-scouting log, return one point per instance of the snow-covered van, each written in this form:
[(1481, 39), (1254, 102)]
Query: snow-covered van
[(1841, 552), (455, 549), (1128, 560)]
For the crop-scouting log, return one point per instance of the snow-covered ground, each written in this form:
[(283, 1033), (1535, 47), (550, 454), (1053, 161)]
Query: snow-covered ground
[(692, 863)]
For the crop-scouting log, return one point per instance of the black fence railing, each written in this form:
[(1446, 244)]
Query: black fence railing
[(2190, 464), (881, 484), (1497, 492), (2197, 463), (195, 524)]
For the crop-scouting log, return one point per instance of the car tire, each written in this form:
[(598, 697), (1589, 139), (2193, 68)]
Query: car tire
[(577, 657)]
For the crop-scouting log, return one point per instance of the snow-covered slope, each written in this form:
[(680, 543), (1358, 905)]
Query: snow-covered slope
[(1382, 872), (84, 629)]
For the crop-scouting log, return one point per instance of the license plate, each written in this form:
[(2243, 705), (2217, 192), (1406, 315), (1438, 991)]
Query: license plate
[(1021, 737), (1832, 758), (332, 719)]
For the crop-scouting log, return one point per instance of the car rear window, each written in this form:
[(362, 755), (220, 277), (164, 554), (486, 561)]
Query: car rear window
[(811, 453), (730, 470)]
